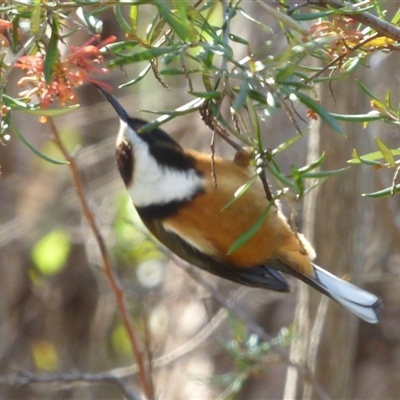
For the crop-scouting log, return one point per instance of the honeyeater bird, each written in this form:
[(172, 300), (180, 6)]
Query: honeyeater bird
[(176, 197)]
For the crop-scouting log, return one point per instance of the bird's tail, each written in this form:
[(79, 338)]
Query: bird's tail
[(360, 302)]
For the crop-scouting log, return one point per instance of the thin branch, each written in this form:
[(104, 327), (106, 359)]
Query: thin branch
[(108, 269)]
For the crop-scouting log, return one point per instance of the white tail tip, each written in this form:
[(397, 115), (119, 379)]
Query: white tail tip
[(364, 304)]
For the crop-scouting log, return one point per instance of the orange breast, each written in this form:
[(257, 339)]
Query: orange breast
[(213, 230)]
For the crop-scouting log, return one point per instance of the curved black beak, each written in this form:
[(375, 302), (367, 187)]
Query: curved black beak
[(113, 101)]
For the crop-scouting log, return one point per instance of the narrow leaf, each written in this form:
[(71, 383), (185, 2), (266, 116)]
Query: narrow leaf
[(241, 96), (35, 17), (133, 15), (51, 54), (121, 19), (173, 21), (384, 192), (386, 152), (32, 148), (371, 116), (246, 236), (94, 24), (324, 174), (239, 192), (321, 111), (364, 160), (312, 165), (144, 55), (376, 155), (310, 16), (286, 144), (50, 112), (138, 78)]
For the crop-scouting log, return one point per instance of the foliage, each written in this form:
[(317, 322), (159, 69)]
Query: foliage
[(201, 41), (232, 81)]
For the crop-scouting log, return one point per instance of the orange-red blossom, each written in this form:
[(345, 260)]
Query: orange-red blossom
[(68, 73)]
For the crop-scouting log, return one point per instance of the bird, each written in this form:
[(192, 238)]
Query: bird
[(178, 200)]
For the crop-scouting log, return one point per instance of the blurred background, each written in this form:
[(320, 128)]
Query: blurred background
[(57, 311)]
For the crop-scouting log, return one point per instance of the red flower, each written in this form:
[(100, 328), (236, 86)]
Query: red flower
[(68, 74)]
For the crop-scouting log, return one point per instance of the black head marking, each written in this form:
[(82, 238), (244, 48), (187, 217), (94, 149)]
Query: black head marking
[(125, 161), (162, 147)]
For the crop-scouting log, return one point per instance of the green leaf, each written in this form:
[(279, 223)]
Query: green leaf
[(219, 49), (87, 2), (238, 39), (154, 29), (144, 55), (313, 165), (133, 16), (384, 192), (364, 159), (50, 112), (280, 176), (51, 54), (15, 33), (177, 25), (396, 19), (33, 148), (324, 174), (50, 253), (246, 236), (14, 104), (35, 18), (257, 22), (178, 71), (370, 94), (255, 124), (311, 16), (138, 78), (286, 144), (120, 46), (351, 64), (386, 152), (121, 20), (214, 94), (241, 96), (376, 155), (318, 109), (94, 24), (239, 192), (371, 116), (187, 108)]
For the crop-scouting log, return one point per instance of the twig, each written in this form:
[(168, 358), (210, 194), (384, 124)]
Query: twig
[(123, 309), (212, 123)]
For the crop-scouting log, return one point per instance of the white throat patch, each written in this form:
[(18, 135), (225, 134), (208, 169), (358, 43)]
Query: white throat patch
[(154, 184)]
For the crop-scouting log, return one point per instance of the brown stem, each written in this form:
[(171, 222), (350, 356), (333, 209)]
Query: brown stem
[(116, 287)]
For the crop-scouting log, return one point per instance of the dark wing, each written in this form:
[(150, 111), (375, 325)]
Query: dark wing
[(259, 276)]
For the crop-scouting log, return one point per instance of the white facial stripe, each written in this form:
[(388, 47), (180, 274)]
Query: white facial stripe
[(155, 184), (165, 186)]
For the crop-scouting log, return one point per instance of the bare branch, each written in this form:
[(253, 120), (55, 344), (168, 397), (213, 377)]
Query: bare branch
[(116, 286)]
